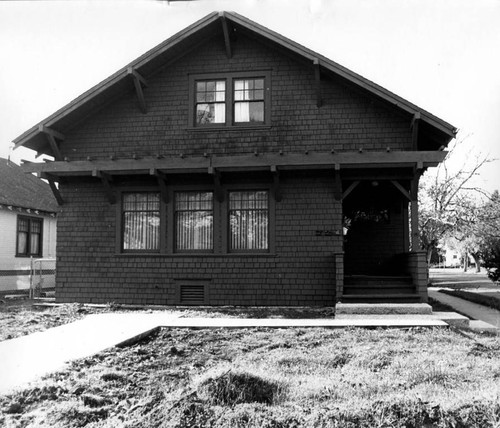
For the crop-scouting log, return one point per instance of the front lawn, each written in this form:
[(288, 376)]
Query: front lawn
[(274, 378)]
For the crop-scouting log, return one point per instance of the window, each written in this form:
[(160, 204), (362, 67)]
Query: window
[(29, 236), (210, 102), (193, 221), (249, 100), (249, 220), (141, 221), (234, 99)]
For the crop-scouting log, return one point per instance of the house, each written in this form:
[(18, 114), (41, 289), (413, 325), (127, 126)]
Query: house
[(27, 227), (230, 165)]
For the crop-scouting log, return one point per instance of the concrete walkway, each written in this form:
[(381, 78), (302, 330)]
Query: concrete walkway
[(27, 358), (482, 317)]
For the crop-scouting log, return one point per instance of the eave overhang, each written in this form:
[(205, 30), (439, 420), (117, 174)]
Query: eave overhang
[(181, 43), (241, 163)]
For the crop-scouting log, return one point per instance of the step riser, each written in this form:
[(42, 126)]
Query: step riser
[(365, 290), (385, 308)]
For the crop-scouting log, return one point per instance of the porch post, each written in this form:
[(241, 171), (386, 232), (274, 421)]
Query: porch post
[(415, 245)]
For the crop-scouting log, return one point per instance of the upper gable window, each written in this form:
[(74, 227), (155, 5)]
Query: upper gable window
[(249, 103), (210, 102), (230, 100)]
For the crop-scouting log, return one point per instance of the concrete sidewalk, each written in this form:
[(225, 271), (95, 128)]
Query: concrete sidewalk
[(482, 317), (27, 358)]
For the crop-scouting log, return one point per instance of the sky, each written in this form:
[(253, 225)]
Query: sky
[(442, 55)]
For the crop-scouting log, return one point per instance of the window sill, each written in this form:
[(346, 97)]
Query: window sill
[(228, 128), (197, 255)]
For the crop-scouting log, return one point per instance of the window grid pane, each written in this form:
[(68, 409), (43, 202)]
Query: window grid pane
[(210, 102), (29, 236), (141, 221), (249, 100), (249, 220), (194, 221)]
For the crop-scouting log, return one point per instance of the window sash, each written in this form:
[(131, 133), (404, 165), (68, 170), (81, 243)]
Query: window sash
[(29, 236), (249, 221), (141, 221), (194, 225), (210, 105)]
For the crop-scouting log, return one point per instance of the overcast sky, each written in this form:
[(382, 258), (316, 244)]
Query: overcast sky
[(442, 55)]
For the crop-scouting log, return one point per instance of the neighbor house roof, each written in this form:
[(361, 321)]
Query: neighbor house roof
[(181, 43), (21, 190)]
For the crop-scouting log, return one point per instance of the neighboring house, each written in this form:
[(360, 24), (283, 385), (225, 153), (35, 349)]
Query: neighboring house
[(222, 167), (27, 226)]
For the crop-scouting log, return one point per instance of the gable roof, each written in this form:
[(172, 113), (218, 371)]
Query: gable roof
[(21, 190), (179, 45)]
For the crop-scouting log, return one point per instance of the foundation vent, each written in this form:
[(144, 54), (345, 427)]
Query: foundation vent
[(192, 294)]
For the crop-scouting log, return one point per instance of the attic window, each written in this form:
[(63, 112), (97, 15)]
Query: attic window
[(230, 100), (210, 102)]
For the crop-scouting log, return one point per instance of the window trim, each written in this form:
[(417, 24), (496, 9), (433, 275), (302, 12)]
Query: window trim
[(120, 221), (28, 245), (220, 221), (229, 78), (226, 247), (174, 248)]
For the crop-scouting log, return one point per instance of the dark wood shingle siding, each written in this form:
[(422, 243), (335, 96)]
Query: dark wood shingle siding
[(300, 272), (348, 120)]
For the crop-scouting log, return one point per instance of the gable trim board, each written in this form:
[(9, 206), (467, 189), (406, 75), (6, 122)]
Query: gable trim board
[(157, 204)]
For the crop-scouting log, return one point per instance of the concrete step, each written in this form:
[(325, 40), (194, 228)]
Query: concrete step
[(382, 308), (395, 289), (381, 298)]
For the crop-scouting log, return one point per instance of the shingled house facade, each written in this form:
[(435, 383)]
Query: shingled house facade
[(231, 166)]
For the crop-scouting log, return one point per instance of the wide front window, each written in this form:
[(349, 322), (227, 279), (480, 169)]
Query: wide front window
[(193, 221), (141, 221), (232, 99), (29, 236), (249, 220)]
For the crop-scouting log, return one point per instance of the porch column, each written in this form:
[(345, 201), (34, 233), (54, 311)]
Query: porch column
[(415, 245)]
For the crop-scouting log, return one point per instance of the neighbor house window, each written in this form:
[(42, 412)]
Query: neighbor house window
[(29, 236), (210, 102), (230, 99), (249, 220), (194, 221), (249, 100), (141, 221)]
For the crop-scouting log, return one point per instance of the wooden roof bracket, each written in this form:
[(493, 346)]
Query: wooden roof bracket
[(51, 136), (404, 192), (415, 121), (219, 193), (227, 39), (139, 82), (161, 177), (276, 184), (353, 185), (106, 181), (337, 184), (317, 78), (52, 183)]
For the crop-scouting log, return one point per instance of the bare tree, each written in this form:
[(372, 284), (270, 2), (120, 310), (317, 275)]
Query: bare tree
[(448, 200)]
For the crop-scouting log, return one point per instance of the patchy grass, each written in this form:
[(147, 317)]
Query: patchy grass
[(273, 378), (482, 299), (19, 317)]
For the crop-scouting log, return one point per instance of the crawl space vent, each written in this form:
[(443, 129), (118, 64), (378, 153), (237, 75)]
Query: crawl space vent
[(192, 294)]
